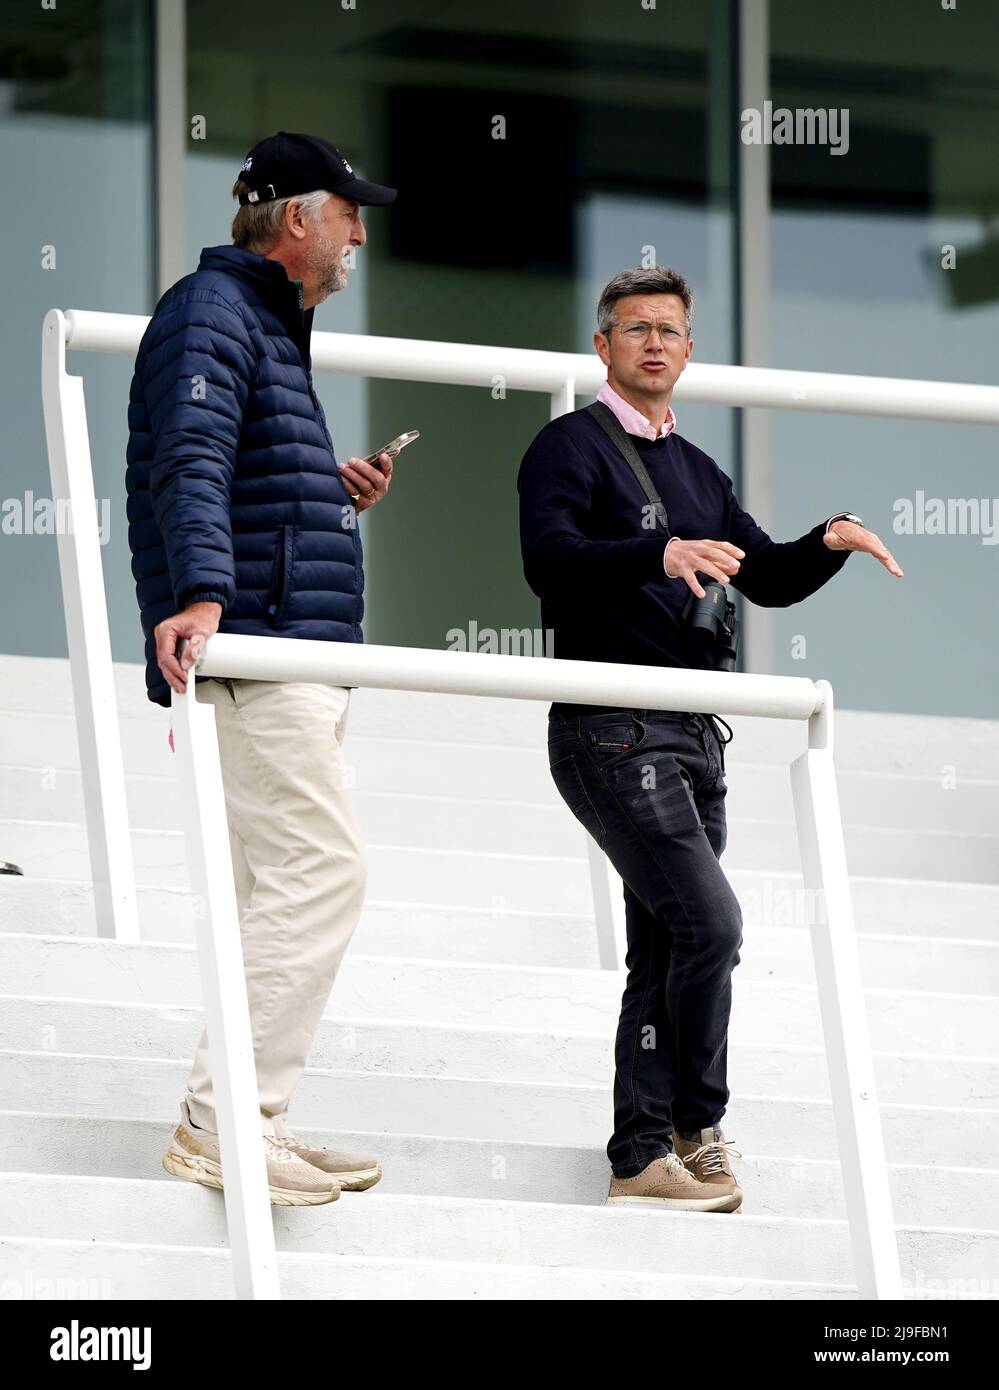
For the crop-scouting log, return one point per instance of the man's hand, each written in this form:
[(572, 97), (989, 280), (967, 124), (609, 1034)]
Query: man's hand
[(367, 482), (847, 535), (197, 623), (719, 559)]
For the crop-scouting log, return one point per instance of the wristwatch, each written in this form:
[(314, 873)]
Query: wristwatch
[(843, 516)]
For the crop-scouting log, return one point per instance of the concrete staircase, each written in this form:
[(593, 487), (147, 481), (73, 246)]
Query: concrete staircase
[(468, 1039)]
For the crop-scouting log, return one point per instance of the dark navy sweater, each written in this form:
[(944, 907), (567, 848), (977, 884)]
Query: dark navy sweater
[(591, 558)]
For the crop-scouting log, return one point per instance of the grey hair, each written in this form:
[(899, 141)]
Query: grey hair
[(257, 226), (660, 280)]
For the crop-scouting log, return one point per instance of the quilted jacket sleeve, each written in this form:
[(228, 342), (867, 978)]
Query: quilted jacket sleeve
[(197, 374)]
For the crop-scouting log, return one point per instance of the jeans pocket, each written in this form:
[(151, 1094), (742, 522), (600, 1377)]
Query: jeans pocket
[(565, 775), (611, 740)]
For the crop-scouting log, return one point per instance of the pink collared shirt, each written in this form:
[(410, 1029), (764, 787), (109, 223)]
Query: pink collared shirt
[(632, 420)]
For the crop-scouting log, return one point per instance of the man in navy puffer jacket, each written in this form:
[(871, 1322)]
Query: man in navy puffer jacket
[(241, 521), (234, 498)]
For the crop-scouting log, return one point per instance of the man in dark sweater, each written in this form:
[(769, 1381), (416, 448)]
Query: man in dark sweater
[(649, 785)]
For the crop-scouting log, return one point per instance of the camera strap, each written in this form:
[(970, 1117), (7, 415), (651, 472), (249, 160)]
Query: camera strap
[(620, 438)]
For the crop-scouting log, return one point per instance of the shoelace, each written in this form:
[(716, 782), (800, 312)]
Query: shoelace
[(278, 1150), (293, 1145), (713, 1155)]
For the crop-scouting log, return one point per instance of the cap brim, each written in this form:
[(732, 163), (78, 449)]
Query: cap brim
[(373, 195)]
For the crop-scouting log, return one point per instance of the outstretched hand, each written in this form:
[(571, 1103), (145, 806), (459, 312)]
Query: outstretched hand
[(847, 535)]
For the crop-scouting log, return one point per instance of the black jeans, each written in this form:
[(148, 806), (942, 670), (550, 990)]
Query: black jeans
[(649, 786)]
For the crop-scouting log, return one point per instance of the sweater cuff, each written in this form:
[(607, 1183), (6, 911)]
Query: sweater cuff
[(666, 559), (833, 560), (657, 552)]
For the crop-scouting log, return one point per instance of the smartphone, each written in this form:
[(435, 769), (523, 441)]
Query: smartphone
[(395, 447)]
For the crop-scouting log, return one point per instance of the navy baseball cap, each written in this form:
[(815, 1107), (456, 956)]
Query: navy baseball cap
[(285, 164)]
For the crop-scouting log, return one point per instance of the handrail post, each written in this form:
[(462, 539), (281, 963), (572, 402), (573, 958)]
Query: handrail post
[(844, 1017), (224, 998), (88, 639), (564, 399), (605, 883), (608, 906)]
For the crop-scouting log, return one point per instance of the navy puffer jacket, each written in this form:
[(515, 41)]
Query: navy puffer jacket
[(234, 494)]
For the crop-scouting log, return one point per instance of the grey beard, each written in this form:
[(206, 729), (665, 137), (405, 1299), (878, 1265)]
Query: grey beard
[(334, 278)]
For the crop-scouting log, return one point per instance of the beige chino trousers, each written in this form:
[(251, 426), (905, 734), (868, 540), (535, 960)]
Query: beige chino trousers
[(300, 871)]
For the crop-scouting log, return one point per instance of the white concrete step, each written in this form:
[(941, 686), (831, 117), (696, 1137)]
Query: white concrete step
[(389, 928), (429, 1165), (493, 996), (510, 1054), (471, 1108), (538, 1234), (38, 1268), (537, 836), (388, 794), (542, 880), (782, 954), (531, 935)]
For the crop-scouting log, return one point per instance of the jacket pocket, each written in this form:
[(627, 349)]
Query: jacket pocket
[(281, 573)]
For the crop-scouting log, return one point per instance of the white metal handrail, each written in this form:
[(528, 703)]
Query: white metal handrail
[(562, 376), (527, 369), (820, 838)]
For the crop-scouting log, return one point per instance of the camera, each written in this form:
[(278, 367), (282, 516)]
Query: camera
[(712, 622)]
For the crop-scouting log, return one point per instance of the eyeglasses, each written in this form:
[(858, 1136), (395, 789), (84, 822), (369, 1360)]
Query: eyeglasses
[(636, 331)]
